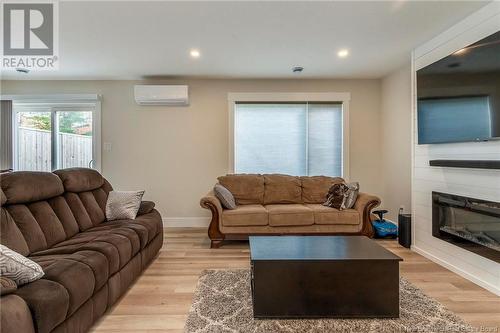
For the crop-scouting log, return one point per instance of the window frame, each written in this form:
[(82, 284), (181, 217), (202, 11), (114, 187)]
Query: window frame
[(61, 103), (325, 97)]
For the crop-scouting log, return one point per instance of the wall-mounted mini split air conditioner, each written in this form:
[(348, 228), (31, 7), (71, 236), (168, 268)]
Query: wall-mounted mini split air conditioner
[(173, 95)]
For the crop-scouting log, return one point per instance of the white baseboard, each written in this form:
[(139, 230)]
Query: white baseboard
[(488, 286), (177, 222)]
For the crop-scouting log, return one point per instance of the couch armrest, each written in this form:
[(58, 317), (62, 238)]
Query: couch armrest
[(7, 286), (146, 207), (210, 201), (364, 205), (15, 316)]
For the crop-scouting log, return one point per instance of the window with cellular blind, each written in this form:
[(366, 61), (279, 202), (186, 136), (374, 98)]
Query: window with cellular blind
[(298, 138)]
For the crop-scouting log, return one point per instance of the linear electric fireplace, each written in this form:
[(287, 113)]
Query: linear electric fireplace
[(472, 224)]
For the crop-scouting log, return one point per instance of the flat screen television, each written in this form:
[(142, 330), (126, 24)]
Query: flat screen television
[(458, 97)]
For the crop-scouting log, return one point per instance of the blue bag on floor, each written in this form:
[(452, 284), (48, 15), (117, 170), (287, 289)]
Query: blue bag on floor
[(384, 228)]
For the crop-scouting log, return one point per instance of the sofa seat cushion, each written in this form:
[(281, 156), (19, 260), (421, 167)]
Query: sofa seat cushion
[(117, 248), (245, 215), (118, 230), (76, 277), (289, 215), (48, 302), (146, 226), (97, 262), (328, 215), (138, 234)]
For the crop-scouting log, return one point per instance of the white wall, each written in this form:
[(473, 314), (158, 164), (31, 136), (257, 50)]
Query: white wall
[(396, 141), (176, 153), (476, 183)]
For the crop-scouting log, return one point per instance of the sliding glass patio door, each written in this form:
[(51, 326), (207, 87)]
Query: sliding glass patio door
[(49, 137), (73, 138)]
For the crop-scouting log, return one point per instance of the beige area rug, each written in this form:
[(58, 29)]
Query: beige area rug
[(222, 303)]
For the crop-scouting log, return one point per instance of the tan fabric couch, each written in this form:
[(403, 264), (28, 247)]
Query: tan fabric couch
[(282, 204)]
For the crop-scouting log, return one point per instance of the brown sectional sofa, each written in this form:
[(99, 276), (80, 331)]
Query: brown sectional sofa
[(282, 204), (58, 220)]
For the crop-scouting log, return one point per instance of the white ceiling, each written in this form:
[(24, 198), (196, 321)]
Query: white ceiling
[(139, 39)]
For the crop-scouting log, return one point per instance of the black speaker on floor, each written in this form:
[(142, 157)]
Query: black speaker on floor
[(404, 230)]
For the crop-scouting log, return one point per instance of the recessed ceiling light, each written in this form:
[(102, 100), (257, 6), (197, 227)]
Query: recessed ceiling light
[(343, 53), (461, 51), (195, 53)]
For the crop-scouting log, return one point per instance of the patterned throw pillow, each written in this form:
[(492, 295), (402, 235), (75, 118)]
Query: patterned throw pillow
[(351, 195), (17, 267), (336, 195), (342, 196), (123, 205), (225, 196)]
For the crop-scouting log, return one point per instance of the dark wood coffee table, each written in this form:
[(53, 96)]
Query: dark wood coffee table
[(323, 276)]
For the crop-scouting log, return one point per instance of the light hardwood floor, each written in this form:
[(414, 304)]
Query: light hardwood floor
[(160, 299)]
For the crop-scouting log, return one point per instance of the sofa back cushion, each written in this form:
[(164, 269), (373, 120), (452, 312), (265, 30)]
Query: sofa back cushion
[(37, 212), (282, 189), (80, 179), (267, 189), (246, 188), (10, 234), (315, 188), (30, 186), (27, 206), (3, 198), (86, 192)]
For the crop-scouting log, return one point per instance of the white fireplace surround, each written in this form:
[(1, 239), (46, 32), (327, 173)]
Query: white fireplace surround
[(476, 183)]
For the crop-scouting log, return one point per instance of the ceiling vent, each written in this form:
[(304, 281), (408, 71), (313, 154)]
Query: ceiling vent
[(170, 95)]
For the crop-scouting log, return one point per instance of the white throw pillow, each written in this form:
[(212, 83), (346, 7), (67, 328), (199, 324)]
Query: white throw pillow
[(123, 204), (17, 267)]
